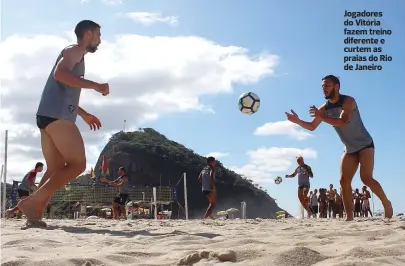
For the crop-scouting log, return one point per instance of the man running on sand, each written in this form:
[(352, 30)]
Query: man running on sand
[(341, 112), (26, 186), (62, 143), (207, 180), (304, 172)]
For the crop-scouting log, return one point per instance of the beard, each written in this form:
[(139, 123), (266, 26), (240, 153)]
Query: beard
[(91, 48), (331, 94)]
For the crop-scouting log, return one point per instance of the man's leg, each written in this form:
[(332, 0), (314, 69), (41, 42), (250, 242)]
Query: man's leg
[(366, 158), (123, 211), (212, 198), (348, 168), (114, 211), (9, 212), (69, 142), (53, 158), (305, 192), (301, 196), (329, 208)]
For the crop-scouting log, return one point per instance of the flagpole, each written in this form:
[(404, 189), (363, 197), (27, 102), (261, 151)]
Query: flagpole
[(4, 172), (372, 200)]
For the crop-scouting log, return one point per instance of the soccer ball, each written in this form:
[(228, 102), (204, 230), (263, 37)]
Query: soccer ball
[(249, 103), (278, 180)]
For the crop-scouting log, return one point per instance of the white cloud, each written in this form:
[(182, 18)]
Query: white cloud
[(283, 128), (149, 18), (266, 163), (148, 76), (109, 2), (113, 2), (217, 155)]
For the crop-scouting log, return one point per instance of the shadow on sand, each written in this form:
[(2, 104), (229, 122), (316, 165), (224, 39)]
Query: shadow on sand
[(125, 233)]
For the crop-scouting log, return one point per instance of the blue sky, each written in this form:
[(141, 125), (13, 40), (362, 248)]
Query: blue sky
[(308, 38)]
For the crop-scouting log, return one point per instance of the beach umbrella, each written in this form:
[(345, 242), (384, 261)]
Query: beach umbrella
[(221, 213), (231, 211), (280, 214)]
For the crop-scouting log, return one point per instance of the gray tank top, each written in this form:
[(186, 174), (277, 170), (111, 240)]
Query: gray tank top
[(24, 183), (206, 179), (59, 100), (124, 189), (303, 176), (354, 134)]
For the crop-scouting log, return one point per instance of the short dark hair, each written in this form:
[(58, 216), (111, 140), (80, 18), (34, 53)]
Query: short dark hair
[(332, 78), (210, 159), (38, 164), (122, 169), (84, 26)]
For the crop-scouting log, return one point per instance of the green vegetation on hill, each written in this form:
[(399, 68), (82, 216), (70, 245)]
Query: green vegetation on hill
[(151, 159)]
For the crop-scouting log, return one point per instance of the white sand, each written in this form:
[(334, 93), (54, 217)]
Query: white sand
[(251, 242)]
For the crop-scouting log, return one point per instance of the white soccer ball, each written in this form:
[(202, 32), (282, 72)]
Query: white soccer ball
[(249, 103), (278, 180)]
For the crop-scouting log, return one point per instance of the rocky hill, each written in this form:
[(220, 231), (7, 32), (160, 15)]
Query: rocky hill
[(151, 159)]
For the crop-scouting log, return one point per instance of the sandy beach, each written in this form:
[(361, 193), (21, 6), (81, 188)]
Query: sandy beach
[(197, 242)]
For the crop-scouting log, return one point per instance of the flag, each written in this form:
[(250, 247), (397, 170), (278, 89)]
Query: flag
[(104, 167), (92, 174)]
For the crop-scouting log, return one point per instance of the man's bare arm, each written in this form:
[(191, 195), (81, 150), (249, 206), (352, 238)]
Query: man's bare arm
[(293, 174), (71, 56), (310, 173), (212, 178), (311, 126), (81, 112), (116, 183), (200, 178), (349, 105)]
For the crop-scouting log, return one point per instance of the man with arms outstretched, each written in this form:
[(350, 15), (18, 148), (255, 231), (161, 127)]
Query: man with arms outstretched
[(119, 202), (304, 172), (341, 112), (62, 143)]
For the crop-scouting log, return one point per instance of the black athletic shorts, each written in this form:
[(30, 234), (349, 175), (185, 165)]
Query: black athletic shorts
[(314, 209), (304, 186), (121, 199), (206, 192), (357, 207), (44, 121), (331, 205), (23, 193), (371, 145)]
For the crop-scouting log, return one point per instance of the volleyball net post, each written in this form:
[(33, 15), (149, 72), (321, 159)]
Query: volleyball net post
[(243, 210), (155, 203), (185, 195), (4, 175)]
